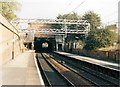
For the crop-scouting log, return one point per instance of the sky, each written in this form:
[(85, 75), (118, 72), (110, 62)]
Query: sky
[(49, 9)]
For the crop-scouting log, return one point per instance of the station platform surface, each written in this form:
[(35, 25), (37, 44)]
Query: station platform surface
[(22, 70), (115, 66)]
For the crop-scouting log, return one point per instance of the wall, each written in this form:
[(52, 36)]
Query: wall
[(9, 41)]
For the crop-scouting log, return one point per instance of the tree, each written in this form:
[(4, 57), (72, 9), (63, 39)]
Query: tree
[(70, 16), (9, 8), (111, 27), (93, 19), (99, 38)]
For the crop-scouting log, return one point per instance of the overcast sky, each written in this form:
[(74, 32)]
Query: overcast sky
[(106, 9)]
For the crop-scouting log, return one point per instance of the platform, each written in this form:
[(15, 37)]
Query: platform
[(22, 71), (111, 65)]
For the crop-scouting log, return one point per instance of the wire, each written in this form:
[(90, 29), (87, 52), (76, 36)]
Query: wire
[(69, 4), (79, 5), (66, 7), (112, 13), (76, 6)]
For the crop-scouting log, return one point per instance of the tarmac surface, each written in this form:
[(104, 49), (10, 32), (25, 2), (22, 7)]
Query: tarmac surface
[(22, 70), (111, 65)]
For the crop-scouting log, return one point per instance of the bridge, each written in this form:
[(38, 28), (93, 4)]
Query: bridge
[(21, 22), (82, 27)]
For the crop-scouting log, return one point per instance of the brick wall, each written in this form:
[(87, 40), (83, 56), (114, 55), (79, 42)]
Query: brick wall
[(9, 41)]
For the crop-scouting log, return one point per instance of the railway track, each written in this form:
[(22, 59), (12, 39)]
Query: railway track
[(91, 75), (73, 78), (50, 75)]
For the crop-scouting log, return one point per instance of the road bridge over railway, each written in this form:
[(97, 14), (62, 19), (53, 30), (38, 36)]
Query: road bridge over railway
[(41, 28)]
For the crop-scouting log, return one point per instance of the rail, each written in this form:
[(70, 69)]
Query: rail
[(76, 65), (48, 80), (72, 76)]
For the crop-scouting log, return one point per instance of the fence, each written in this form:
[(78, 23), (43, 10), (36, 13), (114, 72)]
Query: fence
[(105, 55)]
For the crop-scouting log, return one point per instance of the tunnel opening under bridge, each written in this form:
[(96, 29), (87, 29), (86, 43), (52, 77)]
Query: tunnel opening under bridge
[(44, 45)]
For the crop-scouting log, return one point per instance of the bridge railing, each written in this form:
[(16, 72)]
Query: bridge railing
[(53, 21), (54, 31)]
